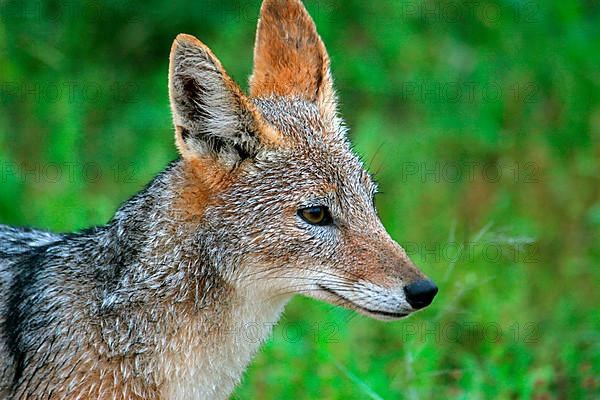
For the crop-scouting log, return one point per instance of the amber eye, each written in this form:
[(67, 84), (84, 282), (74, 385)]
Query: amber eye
[(318, 215)]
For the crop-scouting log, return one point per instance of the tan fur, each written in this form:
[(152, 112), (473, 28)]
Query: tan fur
[(290, 58), (203, 179)]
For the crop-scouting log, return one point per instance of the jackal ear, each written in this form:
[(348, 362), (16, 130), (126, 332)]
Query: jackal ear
[(290, 58), (212, 116)]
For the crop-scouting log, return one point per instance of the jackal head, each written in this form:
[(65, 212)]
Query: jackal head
[(272, 176)]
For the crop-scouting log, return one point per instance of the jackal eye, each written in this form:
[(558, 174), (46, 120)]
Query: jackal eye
[(318, 215)]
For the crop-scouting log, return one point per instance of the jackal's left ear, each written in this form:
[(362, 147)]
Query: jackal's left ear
[(290, 58), (212, 117)]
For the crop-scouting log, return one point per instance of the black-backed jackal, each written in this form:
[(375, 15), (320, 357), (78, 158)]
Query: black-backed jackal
[(266, 201)]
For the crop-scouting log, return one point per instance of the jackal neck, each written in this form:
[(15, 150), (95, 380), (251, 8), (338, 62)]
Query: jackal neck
[(172, 308)]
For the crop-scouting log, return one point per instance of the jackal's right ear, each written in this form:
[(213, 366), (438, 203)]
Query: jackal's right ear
[(212, 117)]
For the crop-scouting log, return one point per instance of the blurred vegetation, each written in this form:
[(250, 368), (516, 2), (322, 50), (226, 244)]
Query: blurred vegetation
[(504, 93)]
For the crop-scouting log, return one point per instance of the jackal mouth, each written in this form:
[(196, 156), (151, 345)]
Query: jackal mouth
[(351, 304)]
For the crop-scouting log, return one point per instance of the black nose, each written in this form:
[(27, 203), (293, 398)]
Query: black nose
[(419, 294)]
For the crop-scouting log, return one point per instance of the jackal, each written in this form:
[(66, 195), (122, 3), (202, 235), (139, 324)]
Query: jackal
[(266, 201)]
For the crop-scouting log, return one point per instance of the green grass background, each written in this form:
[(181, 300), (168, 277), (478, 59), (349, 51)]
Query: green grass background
[(509, 86)]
